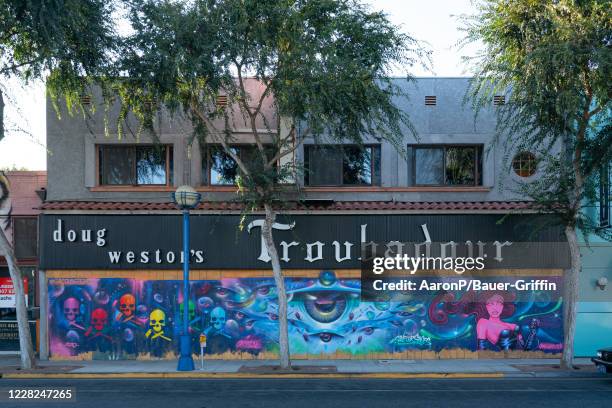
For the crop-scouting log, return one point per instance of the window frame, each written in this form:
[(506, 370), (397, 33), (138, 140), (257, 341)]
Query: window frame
[(515, 159), (207, 158), (15, 235), (372, 184), (169, 161), (478, 165)]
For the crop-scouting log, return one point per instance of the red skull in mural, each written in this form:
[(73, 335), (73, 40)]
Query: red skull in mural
[(127, 304), (99, 319)]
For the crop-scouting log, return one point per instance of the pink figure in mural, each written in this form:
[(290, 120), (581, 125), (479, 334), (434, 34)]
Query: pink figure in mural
[(492, 332), (71, 312)]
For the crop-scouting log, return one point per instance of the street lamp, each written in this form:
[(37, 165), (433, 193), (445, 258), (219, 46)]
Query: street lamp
[(186, 198)]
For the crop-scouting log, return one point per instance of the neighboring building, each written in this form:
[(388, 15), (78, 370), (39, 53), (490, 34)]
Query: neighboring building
[(110, 243), (22, 193), (594, 321)]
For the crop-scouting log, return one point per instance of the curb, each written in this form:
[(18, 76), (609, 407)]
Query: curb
[(247, 375)]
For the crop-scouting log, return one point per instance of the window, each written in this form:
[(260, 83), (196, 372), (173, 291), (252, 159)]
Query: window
[(135, 165), (333, 165), (25, 233), (604, 196), (445, 165), (218, 167), (524, 164)]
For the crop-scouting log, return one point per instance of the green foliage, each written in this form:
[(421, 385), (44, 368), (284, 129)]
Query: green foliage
[(62, 41), (325, 63), (553, 61)]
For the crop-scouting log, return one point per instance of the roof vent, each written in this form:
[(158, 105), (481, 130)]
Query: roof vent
[(221, 101), (499, 100), (149, 104), (430, 100)]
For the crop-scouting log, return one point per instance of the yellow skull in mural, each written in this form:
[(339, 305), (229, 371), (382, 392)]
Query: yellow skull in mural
[(157, 320)]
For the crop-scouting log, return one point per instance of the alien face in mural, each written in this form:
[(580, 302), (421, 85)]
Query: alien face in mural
[(157, 320), (99, 319), (127, 305), (217, 318), (191, 310), (71, 309)]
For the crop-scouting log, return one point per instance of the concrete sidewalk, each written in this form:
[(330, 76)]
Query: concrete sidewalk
[(302, 368)]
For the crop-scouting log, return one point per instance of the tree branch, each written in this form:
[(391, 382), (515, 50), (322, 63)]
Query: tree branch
[(221, 140)]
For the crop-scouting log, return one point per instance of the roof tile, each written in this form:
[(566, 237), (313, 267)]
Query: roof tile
[(332, 206)]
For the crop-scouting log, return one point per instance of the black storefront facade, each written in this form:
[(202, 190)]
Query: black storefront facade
[(114, 286)]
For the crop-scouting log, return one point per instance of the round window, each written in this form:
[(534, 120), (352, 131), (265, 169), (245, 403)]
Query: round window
[(524, 164)]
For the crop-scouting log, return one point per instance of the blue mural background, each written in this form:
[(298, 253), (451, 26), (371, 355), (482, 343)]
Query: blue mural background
[(115, 318)]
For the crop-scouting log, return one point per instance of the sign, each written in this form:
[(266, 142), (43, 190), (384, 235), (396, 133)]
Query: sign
[(304, 241), (202, 340), (7, 292), (9, 335)]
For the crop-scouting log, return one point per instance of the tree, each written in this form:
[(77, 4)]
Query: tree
[(289, 70), (553, 61), (62, 42)]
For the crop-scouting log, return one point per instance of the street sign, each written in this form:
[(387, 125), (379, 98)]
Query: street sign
[(202, 346)]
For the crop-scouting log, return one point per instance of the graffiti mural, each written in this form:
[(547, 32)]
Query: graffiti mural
[(114, 318)]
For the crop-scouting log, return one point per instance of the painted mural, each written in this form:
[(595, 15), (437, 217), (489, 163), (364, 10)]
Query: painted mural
[(113, 318)]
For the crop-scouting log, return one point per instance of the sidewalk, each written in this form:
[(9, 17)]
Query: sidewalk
[(493, 368)]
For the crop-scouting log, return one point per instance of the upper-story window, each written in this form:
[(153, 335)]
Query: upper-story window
[(341, 165), (445, 165), (135, 165), (25, 233), (220, 169)]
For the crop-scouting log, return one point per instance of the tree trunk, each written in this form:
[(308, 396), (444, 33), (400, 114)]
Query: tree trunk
[(25, 339), (283, 335), (570, 298), (1, 115)]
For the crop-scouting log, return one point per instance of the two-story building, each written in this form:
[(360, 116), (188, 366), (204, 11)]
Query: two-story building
[(111, 243), (21, 195)]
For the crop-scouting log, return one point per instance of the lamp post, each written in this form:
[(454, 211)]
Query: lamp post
[(186, 198)]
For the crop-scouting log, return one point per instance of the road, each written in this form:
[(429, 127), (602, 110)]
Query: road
[(319, 393)]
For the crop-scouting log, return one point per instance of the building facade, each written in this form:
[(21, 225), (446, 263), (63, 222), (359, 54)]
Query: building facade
[(21, 195), (111, 249)]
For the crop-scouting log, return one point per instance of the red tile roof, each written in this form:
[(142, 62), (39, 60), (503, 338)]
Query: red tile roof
[(23, 199), (365, 206)]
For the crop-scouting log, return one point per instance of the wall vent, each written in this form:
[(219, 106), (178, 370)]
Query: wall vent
[(85, 100), (430, 100), (222, 101), (499, 100), (149, 104)]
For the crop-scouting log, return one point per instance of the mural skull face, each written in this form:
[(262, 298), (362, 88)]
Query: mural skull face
[(127, 304), (157, 320), (191, 310), (99, 319), (71, 309), (217, 318)]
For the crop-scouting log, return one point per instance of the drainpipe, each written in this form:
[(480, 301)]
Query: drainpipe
[(43, 290)]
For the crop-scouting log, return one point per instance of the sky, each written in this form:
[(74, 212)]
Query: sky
[(434, 22)]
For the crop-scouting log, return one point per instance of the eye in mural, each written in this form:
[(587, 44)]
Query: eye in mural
[(325, 307), (128, 318)]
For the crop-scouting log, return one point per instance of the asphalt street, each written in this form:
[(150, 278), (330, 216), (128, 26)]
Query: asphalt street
[(317, 393)]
